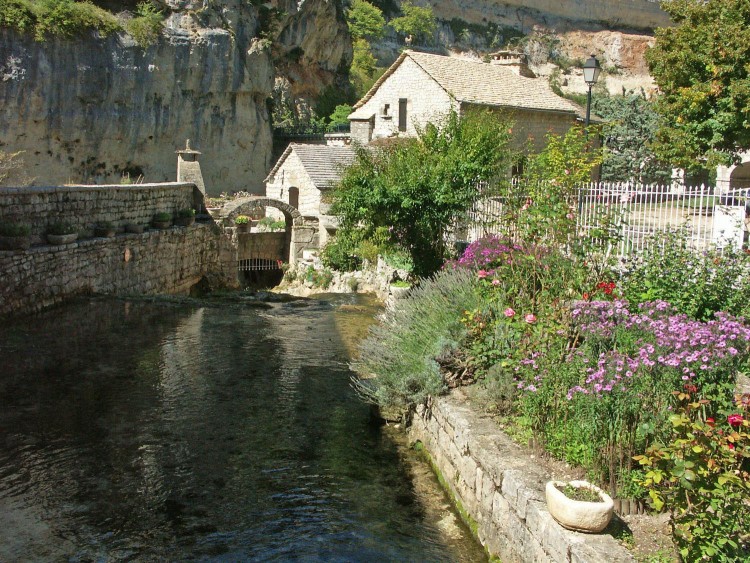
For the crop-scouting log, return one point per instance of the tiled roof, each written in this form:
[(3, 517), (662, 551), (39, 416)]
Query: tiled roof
[(323, 163), (482, 83)]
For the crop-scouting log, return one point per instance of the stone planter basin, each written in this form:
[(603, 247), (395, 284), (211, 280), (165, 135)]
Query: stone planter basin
[(62, 239), (581, 516)]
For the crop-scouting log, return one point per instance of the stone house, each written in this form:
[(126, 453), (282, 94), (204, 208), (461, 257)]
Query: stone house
[(419, 87), (416, 89), (303, 174)]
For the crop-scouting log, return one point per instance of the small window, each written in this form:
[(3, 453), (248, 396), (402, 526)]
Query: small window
[(402, 114), (385, 110)]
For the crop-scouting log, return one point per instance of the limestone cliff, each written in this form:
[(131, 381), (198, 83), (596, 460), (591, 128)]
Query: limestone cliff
[(92, 109)]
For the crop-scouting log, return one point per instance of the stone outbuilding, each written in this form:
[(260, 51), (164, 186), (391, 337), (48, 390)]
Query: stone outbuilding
[(420, 87), (302, 176)]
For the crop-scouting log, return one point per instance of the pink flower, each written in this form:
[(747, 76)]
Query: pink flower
[(530, 318), (735, 420), (710, 422), (509, 312), (495, 282), (481, 274)]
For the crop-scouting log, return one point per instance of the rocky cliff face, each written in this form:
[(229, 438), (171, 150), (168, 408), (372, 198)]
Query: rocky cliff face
[(92, 109)]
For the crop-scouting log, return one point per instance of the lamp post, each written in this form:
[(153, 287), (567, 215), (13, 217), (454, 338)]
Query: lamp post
[(591, 71)]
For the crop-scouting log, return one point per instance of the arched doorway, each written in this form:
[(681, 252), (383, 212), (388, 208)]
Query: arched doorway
[(740, 177)]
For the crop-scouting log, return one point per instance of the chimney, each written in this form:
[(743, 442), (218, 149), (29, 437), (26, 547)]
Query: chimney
[(513, 60)]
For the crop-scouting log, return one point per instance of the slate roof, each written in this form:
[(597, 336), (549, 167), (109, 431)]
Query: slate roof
[(480, 83), (323, 163)]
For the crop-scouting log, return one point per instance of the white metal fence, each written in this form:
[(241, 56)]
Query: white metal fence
[(631, 214)]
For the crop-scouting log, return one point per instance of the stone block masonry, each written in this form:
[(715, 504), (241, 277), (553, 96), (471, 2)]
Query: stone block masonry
[(167, 261), (84, 206), (501, 489)]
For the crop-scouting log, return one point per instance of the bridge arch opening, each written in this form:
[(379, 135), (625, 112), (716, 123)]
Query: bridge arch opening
[(261, 253)]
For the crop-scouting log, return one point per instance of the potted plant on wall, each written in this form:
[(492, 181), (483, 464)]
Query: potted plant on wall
[(14, 236), (162, 220), (61, 232), (104, 229), (185, 217), (579, 505), (242, 223)]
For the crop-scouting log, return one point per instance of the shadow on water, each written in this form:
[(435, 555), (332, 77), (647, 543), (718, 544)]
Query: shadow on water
[(204, 430)]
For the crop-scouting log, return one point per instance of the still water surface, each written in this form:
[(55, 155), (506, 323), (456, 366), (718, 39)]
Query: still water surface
[(138, 431)]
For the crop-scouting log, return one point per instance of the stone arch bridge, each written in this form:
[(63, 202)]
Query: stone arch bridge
[(265, 250)]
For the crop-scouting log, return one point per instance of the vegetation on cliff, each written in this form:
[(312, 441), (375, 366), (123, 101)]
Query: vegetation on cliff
[(70, 18)]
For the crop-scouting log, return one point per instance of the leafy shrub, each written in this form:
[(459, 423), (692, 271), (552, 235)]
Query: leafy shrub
[(400, 351), (701, 474), (14, 229), (271, 224), (61, 228), (68, 18), (697, 283), (186, 213), (162, 217), (340, 254), (17, 14), (319, 278), (241, 220), (146, 26)]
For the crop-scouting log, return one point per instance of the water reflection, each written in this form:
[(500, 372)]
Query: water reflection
[(142, 431)]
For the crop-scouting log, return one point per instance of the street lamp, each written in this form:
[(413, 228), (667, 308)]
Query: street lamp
[(591, 72)]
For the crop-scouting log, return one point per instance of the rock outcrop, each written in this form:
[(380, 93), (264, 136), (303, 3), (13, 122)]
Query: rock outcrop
[(95, 109)]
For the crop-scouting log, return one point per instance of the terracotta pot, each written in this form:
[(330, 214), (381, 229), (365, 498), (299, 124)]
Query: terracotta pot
[(15, 243), (581, 516), (62, 239)]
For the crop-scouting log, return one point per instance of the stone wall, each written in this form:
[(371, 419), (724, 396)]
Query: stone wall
[(426, 101), (165, 261), (83, 206), (501, 489)]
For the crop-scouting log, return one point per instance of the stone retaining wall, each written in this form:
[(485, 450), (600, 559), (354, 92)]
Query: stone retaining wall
[(501, 489), (84, 206), (166, 261)]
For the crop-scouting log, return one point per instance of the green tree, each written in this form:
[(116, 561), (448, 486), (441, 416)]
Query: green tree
[(364, 70), (700, 66), (340, 116), (418, 188), (417, 21), (630, 126), (365, 21)]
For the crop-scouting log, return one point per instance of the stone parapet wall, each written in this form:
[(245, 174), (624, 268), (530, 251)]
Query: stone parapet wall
[(166, 261), (84, 206), (501, 488)]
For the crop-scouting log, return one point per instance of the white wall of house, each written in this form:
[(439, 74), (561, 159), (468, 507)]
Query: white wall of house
[(735, 176), (292, 174), (425, 101)]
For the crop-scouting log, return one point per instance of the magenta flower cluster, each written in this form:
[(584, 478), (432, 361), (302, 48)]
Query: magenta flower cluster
[(620, 346), (485, 253)]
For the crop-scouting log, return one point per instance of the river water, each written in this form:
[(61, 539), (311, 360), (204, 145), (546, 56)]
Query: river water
[(210, 431)]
